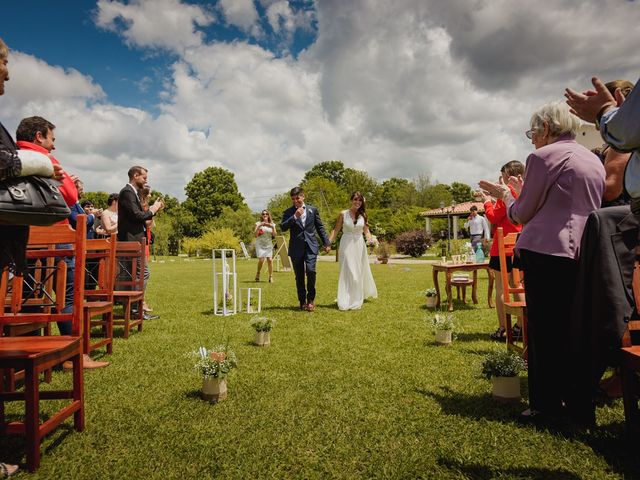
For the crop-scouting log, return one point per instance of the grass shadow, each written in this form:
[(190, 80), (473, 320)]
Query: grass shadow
[(476, 407), (476, 471)]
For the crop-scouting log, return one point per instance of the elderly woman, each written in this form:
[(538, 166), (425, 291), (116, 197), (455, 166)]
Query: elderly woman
[(563, 184)]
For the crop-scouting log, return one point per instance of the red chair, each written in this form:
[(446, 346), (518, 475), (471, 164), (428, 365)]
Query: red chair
[(630, 365), (37, 354), (512, 307), (98, 304), (129, 284)]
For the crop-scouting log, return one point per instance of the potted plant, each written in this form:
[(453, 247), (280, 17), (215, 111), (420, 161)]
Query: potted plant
[(432, 297), (214, 365), (502, 368), (383, 252), (443, 327), (262, 326)]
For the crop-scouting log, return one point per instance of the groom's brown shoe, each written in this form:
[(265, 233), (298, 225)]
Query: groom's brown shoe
[(310, 307)]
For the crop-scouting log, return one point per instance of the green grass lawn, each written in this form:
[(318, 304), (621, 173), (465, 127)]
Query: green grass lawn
[(362, 394)]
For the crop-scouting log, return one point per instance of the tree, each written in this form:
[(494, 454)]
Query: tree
[(241, 221), (331, 170), (277, 205), (461, 192), (397, 193), (170, 203), (99, 199), (209, 191), (360, 181), (326, 195), (436, 195), (422, 185)]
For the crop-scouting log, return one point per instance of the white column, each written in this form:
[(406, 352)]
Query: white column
[(427, 225), (455, 227)]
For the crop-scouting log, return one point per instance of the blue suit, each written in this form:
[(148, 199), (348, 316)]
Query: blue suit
[(303, 248)]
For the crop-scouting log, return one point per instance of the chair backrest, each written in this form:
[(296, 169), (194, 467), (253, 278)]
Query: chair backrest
[(131, 258), (44, 285), (101, 255), (506, 245)]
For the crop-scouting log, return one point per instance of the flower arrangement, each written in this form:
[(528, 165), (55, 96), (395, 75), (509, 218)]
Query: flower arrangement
[(443, 322), (215, 363), (383, 250), (373, 241), (262, 324), (502, 363), (430, 292)]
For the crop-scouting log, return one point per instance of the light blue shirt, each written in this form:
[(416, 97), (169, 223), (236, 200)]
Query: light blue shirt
[(620, 128)]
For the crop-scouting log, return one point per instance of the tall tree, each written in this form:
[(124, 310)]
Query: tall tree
[(461, 192), (209, 191), (358, 180), (436, 195), (397, 193), (331, 170)]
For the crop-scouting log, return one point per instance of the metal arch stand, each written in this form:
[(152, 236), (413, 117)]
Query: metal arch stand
[(225, 299)]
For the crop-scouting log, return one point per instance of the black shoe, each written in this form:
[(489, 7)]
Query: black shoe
[(517, 333), (303, 306)]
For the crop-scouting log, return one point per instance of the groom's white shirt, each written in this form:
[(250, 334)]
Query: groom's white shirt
[(303, 217)]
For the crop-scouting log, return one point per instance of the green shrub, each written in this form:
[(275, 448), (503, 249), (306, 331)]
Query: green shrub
[(413, 243), (502, 363)]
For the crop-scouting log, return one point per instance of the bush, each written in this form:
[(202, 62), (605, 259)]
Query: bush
[(502, 363), (413, 243)]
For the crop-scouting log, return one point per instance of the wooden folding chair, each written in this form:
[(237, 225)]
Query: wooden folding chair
[(98, 304), (37, 354), (129, 284), (630, 365), (513, 307)]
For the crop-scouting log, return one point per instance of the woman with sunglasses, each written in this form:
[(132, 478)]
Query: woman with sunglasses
[(265, 231)]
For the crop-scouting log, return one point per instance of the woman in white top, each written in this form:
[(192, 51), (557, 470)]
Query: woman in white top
[(265, 231), (109, 217), (355, 282)]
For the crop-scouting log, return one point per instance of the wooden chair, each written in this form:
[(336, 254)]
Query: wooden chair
[(630, 365), (129, 284), (36, 354), (513, 307), (99, 300)]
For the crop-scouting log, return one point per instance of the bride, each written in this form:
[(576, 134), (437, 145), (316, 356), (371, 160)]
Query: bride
[(355, 282)]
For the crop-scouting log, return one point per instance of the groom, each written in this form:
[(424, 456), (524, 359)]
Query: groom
[(304, 222)]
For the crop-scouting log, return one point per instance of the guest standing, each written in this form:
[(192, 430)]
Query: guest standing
[(265, 230), (563, 184)]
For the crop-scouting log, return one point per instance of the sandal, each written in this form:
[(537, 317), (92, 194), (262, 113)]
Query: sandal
[(257, 278), (517, 332), (499, 334), (6, 470)]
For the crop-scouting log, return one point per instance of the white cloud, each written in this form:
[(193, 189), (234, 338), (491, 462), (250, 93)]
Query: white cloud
[(242, 14), (167, 24), (394, 88)]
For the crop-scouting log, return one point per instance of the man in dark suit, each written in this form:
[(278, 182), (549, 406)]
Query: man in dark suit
[(131, 217), (304, 222)]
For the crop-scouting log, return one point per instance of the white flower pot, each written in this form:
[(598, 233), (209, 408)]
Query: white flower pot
[(263, 339), (443, 337), (432, 301), (214, 389), (506, 389)]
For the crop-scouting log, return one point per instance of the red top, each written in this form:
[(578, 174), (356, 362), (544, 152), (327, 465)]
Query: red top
[(68, 188), (497, 215)]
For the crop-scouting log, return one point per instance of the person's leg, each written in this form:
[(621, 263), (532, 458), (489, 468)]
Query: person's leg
[(66, 327), (260, 262), (298, 269), (270, 265), (310, 265), (549, 293), (502, 321)]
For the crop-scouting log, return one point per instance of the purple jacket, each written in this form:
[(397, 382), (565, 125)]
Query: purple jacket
[(563, 184)]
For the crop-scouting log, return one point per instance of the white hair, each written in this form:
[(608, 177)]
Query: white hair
[(557, 115)]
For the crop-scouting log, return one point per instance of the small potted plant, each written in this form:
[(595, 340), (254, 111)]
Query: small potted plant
[(502, 368), (262, 326), (214, 365), (443, 327), (383, 252), (432, 297)]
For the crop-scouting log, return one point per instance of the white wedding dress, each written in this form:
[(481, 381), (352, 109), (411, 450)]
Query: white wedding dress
[(355, 282)]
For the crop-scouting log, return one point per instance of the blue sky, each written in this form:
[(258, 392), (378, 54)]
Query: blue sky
[(64, 33), (269, 88)]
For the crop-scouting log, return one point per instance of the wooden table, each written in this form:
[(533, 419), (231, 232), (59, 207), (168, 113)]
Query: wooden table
[(449, 268)]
